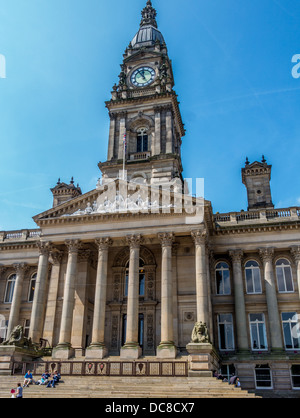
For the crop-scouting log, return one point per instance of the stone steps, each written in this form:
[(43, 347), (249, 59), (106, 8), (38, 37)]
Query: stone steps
[(124, 387)]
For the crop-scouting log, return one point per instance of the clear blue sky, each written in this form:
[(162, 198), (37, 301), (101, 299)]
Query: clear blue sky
[(232, 67)]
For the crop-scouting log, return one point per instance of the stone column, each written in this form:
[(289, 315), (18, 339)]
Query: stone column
[(111, 141), (199, 238), (14, 315), (156, 149), (80, 328), (97, 349), (295, 250), (122, 131), (267, 255), (40, 294), (239, 299), (169, 132), (131, 348), (166, 348), (63, 350), (55, 259)]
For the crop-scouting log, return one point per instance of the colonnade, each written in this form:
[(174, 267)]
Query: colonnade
[(131, 349)]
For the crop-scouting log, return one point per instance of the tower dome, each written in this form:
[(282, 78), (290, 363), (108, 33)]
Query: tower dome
[(147, 36)]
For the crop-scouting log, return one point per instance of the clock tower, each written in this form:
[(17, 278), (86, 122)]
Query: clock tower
[(146, 128)]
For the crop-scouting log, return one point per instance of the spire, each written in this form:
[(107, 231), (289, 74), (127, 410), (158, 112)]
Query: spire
[(149, 15)]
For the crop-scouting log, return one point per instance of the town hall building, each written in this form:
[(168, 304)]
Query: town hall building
[(128, 268)]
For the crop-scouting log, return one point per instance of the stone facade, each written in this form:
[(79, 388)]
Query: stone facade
[(128, 268)]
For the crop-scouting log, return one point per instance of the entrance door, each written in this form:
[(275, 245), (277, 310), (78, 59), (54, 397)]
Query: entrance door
[(141, 330)]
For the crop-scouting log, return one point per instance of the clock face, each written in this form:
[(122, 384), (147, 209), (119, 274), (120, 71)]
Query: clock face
[(143, 76)]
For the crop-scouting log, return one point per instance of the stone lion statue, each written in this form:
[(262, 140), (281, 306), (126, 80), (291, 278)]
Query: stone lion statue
[(17, 338), (200, 333)]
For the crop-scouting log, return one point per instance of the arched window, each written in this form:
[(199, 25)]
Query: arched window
[(252, 274), (223, 279), (284, 276), (32, 287), (142, 140), (10, 286), (141, 278)]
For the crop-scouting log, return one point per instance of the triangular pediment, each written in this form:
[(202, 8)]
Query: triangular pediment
[(119, 197)]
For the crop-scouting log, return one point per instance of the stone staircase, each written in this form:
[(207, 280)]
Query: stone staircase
[(127, 387)]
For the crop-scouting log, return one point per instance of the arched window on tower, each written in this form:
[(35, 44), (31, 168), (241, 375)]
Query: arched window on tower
[(142, 140)]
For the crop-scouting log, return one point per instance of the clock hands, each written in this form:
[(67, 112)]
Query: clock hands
[(142, 73)]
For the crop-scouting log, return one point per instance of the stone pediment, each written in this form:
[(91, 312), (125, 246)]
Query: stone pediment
[(119, 197)]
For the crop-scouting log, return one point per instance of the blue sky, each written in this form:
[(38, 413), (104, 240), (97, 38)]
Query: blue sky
[(232, 67)]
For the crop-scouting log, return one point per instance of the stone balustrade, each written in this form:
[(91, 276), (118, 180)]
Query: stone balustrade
[(21, 235), (258, 216)]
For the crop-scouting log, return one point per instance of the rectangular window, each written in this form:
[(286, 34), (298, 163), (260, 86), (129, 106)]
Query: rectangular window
[(258, 332), (263, 377), (291, 330), (226, 337), (295, 375)]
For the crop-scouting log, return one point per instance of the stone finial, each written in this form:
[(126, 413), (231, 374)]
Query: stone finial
[(149, 15)]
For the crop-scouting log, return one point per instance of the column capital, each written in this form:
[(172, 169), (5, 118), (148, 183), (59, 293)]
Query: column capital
[(20, 268), (236, 255), (199, 236), (134, 241), (2, 269), (44, 247), (166, 239), (266, 254), (295, 251), (85, 255), (103, 243), (55, 256), (73, 246)]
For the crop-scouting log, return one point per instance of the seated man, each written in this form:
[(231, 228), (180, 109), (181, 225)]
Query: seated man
[(28, 379)]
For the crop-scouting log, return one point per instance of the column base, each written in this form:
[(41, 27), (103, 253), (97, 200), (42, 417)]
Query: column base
[(96, 351), (130, 351), (63, 351), (166, 350), (203, 359)]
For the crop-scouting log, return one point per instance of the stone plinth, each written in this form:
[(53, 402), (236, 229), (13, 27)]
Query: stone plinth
[(95, 351), (10, 354), (63, 352), (130, 352), (166, 351), (203, 359)]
